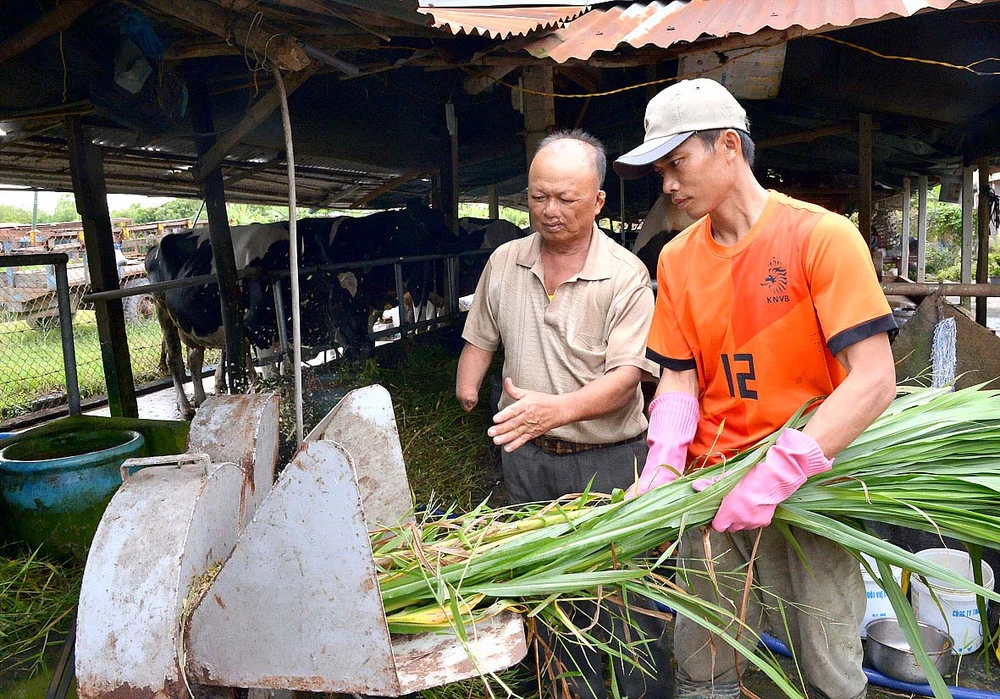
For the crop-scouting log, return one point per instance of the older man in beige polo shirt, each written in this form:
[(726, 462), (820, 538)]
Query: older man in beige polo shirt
[(572, 310)]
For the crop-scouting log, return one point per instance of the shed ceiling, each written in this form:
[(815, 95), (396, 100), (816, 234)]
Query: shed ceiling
[(377, 138)]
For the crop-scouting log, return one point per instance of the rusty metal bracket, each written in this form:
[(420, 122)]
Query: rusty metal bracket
[(172, 460)]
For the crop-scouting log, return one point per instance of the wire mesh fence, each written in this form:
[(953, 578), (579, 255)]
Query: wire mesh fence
[(32, 371), (32, 368)]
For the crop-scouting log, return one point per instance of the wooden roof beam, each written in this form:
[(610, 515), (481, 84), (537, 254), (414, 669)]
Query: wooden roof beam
[(810, 135), (388, 187), (261, 109), (261, 37), (59, 19)]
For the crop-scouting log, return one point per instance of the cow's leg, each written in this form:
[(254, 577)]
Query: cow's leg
[(196, 363), (163, 366), (408, 307), (174, 358), (268, 358)]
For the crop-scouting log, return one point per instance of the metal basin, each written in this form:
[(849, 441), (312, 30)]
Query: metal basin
[(890, 654)]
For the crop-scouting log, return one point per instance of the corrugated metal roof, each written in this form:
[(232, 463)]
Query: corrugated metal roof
[(501, 22), (664, 24)]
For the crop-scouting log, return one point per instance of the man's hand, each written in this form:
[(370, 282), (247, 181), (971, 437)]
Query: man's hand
[(788, 463), (531, 415), (673, 420)]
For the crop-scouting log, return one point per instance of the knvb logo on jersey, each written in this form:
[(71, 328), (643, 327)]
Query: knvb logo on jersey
[(776, 282)]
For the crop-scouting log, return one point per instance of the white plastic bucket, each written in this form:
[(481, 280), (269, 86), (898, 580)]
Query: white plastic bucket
[(877, 604), (957, 614)]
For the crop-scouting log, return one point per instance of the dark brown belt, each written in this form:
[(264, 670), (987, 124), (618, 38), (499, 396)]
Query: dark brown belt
[(560, 447)]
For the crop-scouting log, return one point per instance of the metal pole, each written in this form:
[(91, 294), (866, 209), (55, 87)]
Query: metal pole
[(66, 329), (34, 213), (921, 227), (198, 215), (968, 204), (904, 252), (930, 289), (983, 236), (451, 265), (293, 256)]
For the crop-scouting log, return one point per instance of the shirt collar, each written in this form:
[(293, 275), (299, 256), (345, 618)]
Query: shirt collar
[(597, 264)]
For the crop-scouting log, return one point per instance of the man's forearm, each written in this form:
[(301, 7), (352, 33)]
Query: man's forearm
[(601, 396), (677, 382), (866, 392), (472, 367)]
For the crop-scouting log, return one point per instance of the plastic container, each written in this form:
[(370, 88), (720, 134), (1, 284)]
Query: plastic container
[(954, 610), (877, 605), (54, 487)]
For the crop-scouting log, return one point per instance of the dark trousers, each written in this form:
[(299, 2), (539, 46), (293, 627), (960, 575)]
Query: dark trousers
[(533, 475)]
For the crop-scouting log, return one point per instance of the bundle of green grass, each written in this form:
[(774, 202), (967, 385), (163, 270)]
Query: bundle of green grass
[(930, 462)]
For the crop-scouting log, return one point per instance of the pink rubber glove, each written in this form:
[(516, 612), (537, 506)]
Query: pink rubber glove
[(786, 466), (673, 419)]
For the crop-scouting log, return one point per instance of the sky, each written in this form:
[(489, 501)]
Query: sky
[(47, 200)]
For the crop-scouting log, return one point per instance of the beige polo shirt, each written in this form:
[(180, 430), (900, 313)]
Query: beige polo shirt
[(596, 321)]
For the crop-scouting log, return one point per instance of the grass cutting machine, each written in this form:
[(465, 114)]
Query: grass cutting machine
[(203, 577)]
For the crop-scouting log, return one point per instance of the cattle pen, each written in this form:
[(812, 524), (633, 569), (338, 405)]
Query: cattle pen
[(144, 333)]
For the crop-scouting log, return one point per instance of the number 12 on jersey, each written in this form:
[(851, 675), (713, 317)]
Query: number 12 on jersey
[(740, 366)]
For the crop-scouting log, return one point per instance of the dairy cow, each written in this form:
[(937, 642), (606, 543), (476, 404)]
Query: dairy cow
[(663, 222), (193, 315), (336, 306), (479, 234)]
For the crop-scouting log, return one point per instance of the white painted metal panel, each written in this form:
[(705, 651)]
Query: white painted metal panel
[(297, 605), (242, 429), (164, 527), (364, 423)]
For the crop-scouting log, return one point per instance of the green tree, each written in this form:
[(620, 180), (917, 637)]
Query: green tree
[(65, 210), (14, 214), (242, 214)]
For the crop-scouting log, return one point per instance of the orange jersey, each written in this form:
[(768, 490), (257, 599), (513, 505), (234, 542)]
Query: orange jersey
[(761, 320)]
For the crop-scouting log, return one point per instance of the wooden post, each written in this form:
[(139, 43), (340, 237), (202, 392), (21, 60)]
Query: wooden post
[(865, 177), (904, 255), (921, 228), (87, 170), (452, 121), (983, 226), (445, 200), (214, 194), (539, 109), (968, 202), (494, 201)]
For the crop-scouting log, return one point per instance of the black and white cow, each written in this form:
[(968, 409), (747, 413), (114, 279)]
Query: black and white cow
[(663, 222), (415, 230), (479, 234), (335, 307), (193, 315)]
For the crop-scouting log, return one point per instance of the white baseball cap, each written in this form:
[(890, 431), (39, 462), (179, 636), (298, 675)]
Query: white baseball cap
[(674, 115)]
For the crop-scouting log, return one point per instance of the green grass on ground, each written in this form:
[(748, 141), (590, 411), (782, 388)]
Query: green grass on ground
[(31, 361)]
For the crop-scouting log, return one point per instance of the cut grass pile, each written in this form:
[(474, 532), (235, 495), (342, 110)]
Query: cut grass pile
[(37, 595), (928, 462)]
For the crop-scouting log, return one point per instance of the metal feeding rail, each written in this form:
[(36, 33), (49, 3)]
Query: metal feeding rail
[(451, 280)]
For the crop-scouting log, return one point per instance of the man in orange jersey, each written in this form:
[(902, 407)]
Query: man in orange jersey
[(763, 304)]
